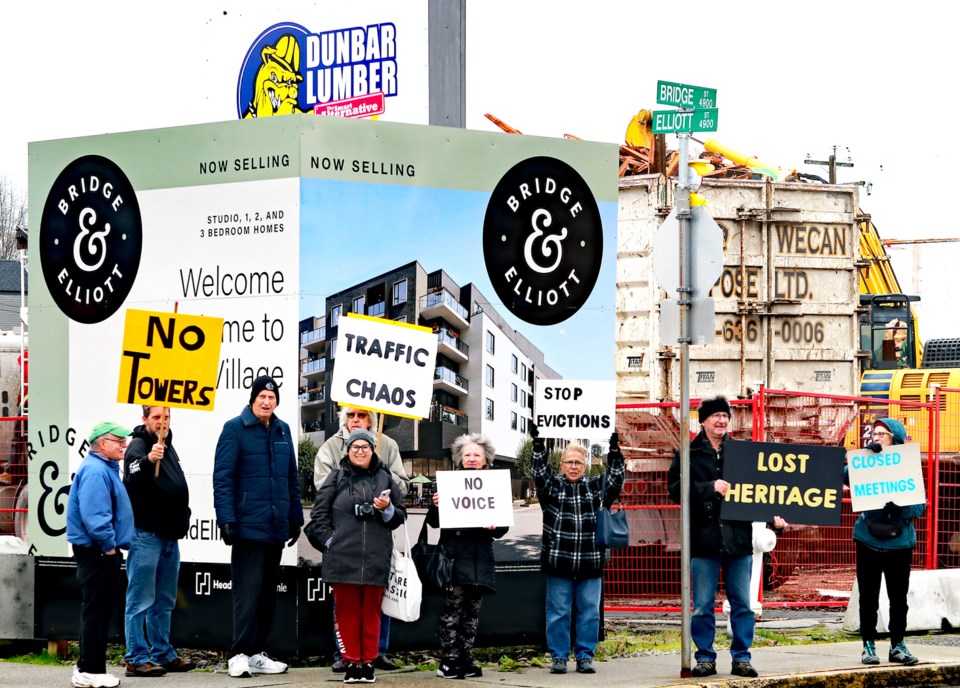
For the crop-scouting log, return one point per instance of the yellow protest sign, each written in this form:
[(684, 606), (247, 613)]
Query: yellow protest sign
[(169, 359)]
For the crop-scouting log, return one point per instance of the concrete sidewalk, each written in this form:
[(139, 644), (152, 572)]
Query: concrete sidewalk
[(832, 664)]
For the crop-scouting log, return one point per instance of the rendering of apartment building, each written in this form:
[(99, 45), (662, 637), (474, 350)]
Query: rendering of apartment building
[(484, 376)]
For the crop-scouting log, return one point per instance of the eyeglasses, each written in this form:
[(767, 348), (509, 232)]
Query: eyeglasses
[(359, 448), (113, 439), (577, 464), (881, 433), (355, 414)]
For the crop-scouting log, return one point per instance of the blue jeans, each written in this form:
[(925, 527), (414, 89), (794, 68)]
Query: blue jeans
[(736, 584), (153, 567), (563, 596)]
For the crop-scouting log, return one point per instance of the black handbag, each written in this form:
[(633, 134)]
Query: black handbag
[(434, 565), (613, 532)]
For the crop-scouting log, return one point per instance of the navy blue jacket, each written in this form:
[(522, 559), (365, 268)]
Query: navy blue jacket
[(255, 482)]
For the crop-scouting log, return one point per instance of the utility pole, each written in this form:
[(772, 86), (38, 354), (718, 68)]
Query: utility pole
[(832, 164)]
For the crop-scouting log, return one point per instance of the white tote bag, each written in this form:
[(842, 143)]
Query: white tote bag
[(402, 596)]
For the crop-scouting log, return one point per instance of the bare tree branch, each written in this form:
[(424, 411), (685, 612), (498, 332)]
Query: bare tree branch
[(13, 214)]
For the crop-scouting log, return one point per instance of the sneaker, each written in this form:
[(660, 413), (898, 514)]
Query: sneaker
[(383, 663), (704, 668), (366, 673), (869, 655), (339, 666), (178, 665), (239, 666), (559, 666), (450, 668), (470, 668), (901, 655), (83, 679), (261, 664), (147, 669), (585, 666), (744, 669), (353, 674)]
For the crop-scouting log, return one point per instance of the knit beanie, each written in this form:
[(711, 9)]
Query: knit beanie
[(361, 434), (710, 406), (895, 427), (264, 382)]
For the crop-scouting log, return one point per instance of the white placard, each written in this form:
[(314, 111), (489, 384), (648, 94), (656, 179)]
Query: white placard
[(892, 475), (384, 365), (575, 408), (475, 498)]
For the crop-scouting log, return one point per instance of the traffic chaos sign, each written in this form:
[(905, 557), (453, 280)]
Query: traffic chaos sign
[(684, 121), (685, 96)]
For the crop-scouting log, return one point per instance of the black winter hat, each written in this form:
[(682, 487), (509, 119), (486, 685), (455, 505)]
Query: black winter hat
[(710, 406), (264, 382)]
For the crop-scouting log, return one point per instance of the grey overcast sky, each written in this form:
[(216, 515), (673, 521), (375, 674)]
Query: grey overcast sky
[(793, 80)]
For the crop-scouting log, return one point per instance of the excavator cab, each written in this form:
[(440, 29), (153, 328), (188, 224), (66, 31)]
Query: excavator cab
[(888, 331)]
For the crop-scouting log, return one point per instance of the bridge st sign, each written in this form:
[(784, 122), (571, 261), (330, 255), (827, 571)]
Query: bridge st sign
[(686, 96)]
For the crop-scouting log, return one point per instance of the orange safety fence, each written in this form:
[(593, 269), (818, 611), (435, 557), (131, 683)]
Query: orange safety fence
[(811, 565), (13, 476)]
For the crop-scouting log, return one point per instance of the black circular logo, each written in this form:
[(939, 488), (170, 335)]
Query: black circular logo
[(542, 240), (91, 236)]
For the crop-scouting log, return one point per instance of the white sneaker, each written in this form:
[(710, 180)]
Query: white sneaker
[(238, 666), (261, 664), (81, 679)]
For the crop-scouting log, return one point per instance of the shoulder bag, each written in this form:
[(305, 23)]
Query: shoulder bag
[(613, 532), (433, 563), (403, 594)]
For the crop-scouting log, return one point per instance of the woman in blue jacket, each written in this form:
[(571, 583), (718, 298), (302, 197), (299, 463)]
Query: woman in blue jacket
[(885, 539)]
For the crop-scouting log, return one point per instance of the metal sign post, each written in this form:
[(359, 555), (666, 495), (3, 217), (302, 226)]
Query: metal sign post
[(698, 113)]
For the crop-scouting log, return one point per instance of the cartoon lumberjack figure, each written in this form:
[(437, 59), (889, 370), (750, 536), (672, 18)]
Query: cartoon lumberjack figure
[(276, 90)]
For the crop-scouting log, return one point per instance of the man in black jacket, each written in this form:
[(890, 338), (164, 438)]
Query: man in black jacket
[(158, 491), (715, 545)]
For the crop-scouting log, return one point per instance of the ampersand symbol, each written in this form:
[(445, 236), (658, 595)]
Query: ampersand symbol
[(59, 505), (94, 244), (547, 246)]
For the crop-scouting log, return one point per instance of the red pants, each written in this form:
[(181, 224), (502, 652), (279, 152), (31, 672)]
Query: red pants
[(357, 620)]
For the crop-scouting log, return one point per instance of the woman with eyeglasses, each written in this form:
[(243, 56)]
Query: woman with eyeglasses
[(569, 555), (356, 508), (473, 575), (885, 539)]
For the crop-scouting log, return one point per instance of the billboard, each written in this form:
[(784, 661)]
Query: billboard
[(261, 223)]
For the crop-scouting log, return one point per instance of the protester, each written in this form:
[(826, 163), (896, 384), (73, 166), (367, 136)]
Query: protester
[(473, 573), (328, 459), (716, 545), (569, 555), (256, 493), (158, 491), (885, 539), (356, 508), (99, 525)]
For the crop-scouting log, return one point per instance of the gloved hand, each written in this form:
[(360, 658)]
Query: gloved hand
[(893, 509), (293, 534), (227, 534), (875, 447), (539, 444), (614, 441)]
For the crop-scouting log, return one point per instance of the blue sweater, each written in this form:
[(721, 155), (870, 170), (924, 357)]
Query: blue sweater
[(99, 513)]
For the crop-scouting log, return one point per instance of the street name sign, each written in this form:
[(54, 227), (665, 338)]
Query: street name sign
[(684, 121), (685, 96)]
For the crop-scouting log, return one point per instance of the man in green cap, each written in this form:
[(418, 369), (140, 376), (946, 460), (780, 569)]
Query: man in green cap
[(99, 525)]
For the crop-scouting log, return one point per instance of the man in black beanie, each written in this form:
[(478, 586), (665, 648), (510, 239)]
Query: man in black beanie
[(715, 545), (256, 467)]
